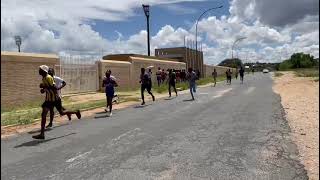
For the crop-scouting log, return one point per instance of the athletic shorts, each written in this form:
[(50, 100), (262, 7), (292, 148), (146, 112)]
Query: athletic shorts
[(48, 104)]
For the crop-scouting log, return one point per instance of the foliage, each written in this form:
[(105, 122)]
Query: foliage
[(233, 63), (299, 60)]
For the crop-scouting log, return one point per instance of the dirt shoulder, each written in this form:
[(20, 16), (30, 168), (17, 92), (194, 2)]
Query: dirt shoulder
[(300, 99)]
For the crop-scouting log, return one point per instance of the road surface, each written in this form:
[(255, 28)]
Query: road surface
[(229, 132)]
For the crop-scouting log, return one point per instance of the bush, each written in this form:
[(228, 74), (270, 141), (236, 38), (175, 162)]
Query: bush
[(285, 65)]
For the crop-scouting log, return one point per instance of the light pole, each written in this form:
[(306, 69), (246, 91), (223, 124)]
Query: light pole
[(18, 41), (234, 43), (147, 13), (197, 29)]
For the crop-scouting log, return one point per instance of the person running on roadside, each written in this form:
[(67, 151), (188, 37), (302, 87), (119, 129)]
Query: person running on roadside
[(109, 83), (214, 75), (228, 74), (192, 77), (150, 77), (252, 70), (163, 75), (60, 83), (145, 84), (241, 72), (236, 73), (51, 100), (158, 74), (172, 82)]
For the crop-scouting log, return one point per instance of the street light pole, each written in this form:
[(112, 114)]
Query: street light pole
[(234, 43), (147, 13), (197, 28), (18, 41)]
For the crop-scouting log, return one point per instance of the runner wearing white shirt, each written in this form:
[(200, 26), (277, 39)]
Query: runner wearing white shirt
[(60, 83)]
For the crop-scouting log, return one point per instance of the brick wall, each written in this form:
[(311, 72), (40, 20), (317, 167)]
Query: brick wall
[(120, 69), (20, 77)]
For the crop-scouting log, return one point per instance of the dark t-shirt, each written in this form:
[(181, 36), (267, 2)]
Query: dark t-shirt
[(241, 72), (172, 78), (109, 86), (144, 78)]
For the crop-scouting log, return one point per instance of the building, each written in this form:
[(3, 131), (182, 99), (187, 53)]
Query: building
[(191, 57)]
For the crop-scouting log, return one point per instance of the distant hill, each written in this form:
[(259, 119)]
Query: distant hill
[(233, 63)]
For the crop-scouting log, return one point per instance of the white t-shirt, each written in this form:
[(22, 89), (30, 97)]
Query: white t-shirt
[(58, 82)]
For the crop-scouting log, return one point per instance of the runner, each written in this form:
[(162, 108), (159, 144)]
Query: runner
[(214, 75), (60, 83), (158, 74), (178, 75), (150, 77), (192, 77), (241, 72), (52, 99), (230, 75), (163, 75), (236, 73), (172, 82), (109, 83), (145, 84)]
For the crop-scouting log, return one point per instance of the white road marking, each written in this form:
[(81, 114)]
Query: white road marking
[(221, 93), (78, 157), (125, 134), (250, 90)]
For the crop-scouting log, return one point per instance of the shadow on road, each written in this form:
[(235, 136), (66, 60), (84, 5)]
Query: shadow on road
[(169, 98), (141, 106), (186, 100), (47, 129), (37, 142), (102, 112)]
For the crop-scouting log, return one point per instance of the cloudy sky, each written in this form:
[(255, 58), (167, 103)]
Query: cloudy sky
[(274, 29)]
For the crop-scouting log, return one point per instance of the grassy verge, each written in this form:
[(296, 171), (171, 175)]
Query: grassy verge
[(27, 116), (278, 74), (29, 113), (310, 72)]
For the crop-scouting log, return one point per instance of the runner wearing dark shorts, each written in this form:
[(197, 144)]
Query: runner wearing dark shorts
[(241, 72), (145, 84), (172, 82), (109, 84)]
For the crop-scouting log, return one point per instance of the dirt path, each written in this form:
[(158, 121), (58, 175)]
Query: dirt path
[(300, 99)]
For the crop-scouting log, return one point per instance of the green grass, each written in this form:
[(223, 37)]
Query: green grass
[(278, 74), (28, 113), (310, 72), (27, 116)]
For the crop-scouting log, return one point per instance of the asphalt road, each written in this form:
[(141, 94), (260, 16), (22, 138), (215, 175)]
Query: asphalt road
[(229, 132)]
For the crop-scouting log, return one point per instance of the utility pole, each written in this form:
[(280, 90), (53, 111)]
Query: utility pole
[(18, 41), (147, 13)]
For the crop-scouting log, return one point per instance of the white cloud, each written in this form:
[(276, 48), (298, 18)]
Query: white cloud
[(65, 26)]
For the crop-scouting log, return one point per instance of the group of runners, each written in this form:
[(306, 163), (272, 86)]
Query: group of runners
[(162, 75), (52, 85)]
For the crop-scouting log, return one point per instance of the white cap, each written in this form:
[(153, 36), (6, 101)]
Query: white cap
[(45, 68)]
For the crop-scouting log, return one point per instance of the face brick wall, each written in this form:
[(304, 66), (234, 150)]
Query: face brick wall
[(20, 77)]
